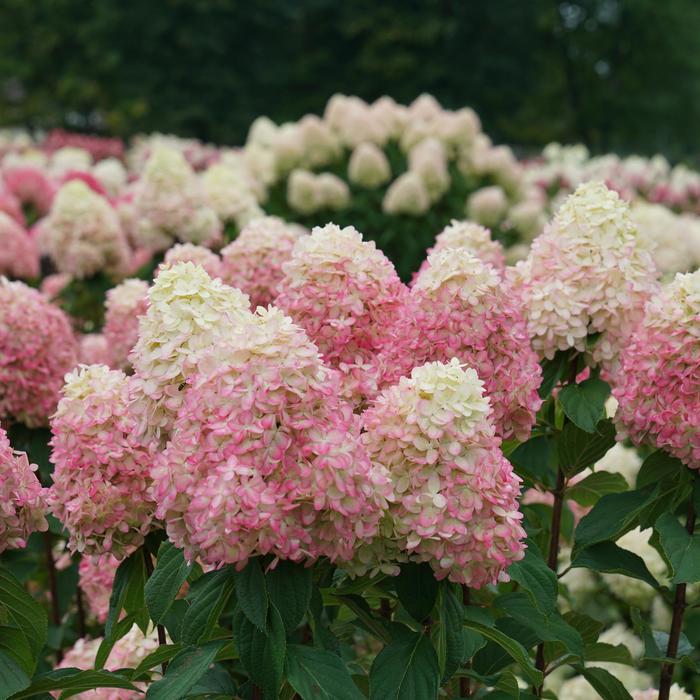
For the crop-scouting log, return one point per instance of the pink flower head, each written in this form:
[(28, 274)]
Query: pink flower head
[(472, 237), (94, 350), (461, 307), (19, 255), (128, 652), (346, 295), (585, 275), (88, 178), (124, 306), (455, 500), (265, 458), (199, 255), (83, 234), (10, 205), (659, 380), (102, 475), (96, 580), (31, 185), (253, 262), (22, 500), (37, 347)]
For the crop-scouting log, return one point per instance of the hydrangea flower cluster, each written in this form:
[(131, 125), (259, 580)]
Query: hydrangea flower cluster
[(124, 305), (170, 204), (199, 255), (264, 456), (253, 262), (187, 314), (472, 237), (22, 499), (101, 479), (19, 255), (586, 275), (30, 184), (461, 307), (37, 347), (96, 577), (347, 296), (368, 166), (455, 495), (128, 652), (93, 349), (82, 233), (659, 382), (230, 195), (488, 205), (308, 192)]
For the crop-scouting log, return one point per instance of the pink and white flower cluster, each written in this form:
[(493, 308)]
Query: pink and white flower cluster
[(659, 380), (22, 499), (124, 305), (586, 275), (37, 347), (19, 254), (455, 496)]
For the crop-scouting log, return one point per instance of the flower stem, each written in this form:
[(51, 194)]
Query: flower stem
[(81, 611), (674, 636)]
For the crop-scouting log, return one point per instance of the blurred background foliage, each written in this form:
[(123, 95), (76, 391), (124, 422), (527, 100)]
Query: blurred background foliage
[(619, 75)]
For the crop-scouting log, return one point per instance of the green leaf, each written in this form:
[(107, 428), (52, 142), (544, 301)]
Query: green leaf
[(609, 558), (25, 614), (170, 573), (540, 582), (682, 551), (512, 647), (493, 658), (447, 631), (364, 614), (611, 517), (207, 601), (406, 669), (549, 629), (14, 644), (289, 586), (76, 680), (536, 459), (552, 371), (107, 644), (161, 655), (604, 683), (588, 491), (317, 674), (584, 403), (127, 589), (417, 589), (262, 653), (579, 449), (184, 672), (12, 677), (251, 592), (658, 467), (616, 654)]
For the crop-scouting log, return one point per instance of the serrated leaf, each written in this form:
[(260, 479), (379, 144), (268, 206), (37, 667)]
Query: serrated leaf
[(536, 459), (107, 644), (588, 491), (127, 589), (553, 371), (512, 647), (682, 551), (584, 403), (406, 669), (170, 573), (184, 672), (25, 614), (417, 589), (206, 604), (74, 679), (447, 631), (617, 654), (289, 586), (317, 674), (12, 677), (658, 467), (604, 683), (364, 614), (492, 658), (611, 517), (251, 592), (163, 654), (262, 652), (578, 449), (538, 580), (609, 558)]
